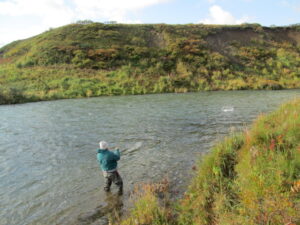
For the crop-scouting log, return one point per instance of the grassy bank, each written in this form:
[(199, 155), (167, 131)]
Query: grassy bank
[(64, 81), (93, 59), (249, 178)]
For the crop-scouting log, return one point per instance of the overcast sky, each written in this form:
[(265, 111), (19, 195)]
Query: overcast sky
[(24, 18)]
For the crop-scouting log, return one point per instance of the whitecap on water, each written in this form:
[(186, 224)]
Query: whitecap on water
[(227, 109)]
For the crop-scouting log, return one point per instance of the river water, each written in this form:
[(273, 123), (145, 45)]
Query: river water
[(48, 168)]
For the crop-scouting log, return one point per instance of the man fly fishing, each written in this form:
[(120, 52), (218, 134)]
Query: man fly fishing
[(108, 164)]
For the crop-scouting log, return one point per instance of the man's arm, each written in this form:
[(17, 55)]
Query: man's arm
[(117, 154), (99, 157)]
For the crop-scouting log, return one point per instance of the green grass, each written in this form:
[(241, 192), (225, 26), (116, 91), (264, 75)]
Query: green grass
[(148, 208), (95, 59), (249, 178)]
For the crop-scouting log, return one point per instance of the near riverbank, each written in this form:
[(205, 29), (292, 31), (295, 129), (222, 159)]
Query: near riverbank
[(250, 178)]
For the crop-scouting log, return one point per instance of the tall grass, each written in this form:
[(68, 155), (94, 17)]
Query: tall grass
[(149, 209)]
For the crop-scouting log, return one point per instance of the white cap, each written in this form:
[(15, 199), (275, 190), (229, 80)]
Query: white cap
[(103, 145)]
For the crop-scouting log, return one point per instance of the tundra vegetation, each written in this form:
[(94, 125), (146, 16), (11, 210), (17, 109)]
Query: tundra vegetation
[(249, 178), (88, 59)]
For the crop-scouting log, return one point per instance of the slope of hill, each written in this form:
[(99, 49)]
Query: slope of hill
[(94, 59)]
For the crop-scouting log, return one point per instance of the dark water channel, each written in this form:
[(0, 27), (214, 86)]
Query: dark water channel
[(48, 168)]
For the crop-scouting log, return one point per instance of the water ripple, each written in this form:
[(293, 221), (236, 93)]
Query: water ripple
[(48, 168)]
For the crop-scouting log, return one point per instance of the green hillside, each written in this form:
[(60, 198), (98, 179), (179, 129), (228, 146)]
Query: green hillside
[(93, 59)]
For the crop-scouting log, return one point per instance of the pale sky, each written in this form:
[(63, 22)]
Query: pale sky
[(20, 19)]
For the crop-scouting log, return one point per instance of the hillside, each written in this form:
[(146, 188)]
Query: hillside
[(94, 59), (249, 178)]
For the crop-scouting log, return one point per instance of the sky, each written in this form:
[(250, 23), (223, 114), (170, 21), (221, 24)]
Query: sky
[(21, 19)]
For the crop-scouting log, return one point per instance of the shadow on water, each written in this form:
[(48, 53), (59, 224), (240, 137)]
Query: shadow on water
[(107, 213)]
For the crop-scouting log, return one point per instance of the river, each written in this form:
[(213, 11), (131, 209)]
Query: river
[(48, 168)]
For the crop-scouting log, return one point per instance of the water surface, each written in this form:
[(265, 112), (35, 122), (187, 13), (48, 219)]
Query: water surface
[(48, 168)]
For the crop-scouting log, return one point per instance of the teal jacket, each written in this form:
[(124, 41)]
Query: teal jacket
[(108, 159)]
